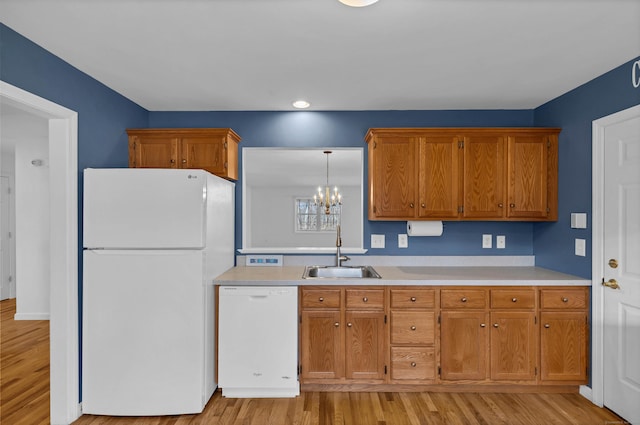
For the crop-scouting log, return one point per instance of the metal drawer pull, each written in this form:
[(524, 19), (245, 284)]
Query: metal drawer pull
[(495, 325), (413, 299), (365, 299), (413, 328), (514, 299), (321, 299), (564, 299), (546, 325), (349, 324), (482, 325), (463, 299), (336, 324), (413, 364)]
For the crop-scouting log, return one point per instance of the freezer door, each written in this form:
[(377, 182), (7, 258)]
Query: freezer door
[(133, 208), (147, 346)]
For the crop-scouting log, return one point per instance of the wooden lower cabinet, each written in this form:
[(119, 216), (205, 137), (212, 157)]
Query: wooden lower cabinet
[(342, 335), (420, 336)]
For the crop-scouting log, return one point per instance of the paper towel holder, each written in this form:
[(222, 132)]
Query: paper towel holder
[(425, 228)]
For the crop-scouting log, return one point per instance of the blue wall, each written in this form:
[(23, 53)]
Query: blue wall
[(553, 243), (348, 128)]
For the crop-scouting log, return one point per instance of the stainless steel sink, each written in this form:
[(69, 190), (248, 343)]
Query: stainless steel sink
[(333, 272)]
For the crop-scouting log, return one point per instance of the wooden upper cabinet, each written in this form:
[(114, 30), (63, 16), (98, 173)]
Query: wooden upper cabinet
[(212, 149), (392, 176), (463, 174), (439, 177), (484, 176)]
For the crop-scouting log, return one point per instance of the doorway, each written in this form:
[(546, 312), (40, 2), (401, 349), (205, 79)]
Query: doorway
[(615, 270), (63, 215), (7, 282)]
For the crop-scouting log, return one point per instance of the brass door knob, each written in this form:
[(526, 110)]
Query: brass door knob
[(613, 263), (611, 283)]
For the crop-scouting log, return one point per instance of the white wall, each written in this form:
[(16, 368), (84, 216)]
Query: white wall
[(28, 136), (273, 225)]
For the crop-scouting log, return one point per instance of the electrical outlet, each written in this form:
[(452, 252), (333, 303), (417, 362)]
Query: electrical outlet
[(501, 241), (581, 247), (486, 241), (377, 241), (403, 241)]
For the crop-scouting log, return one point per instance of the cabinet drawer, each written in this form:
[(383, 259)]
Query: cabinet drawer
[(570, 298), (320, 298), (413, 298), (413, 327), (365, 299), (513, 298), (463, 298), (410, 363)]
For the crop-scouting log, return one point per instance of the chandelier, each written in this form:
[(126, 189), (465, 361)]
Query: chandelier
[(326, 198)]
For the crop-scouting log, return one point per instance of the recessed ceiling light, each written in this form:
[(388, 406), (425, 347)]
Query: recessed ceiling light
[(358, 3), (301, 104)]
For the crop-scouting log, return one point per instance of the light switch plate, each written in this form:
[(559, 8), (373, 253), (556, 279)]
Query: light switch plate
[(581, 247), (578, 220), (377, 241), (486, 241), (403, 241), (501, 241)]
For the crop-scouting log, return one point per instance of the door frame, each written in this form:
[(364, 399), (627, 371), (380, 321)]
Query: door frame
[(63, 178), (596, 394)]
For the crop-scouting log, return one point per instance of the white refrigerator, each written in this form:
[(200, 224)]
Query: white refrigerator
[(154, 240)]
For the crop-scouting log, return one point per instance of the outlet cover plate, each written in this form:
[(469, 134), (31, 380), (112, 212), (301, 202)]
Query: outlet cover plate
[(486, 241), (377, 241)]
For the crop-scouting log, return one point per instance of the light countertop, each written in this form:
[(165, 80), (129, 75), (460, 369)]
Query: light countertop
[(406, 275)]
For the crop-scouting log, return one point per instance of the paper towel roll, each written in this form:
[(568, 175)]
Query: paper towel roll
[(424, 228)]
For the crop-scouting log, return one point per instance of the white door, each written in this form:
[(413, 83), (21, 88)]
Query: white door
[(136, 208), (5, 241), (621, 268)]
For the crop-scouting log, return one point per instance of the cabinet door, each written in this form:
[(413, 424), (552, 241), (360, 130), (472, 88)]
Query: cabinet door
[(464, 343), (207, 153), (153, 152), (392, 174), (563, 342), (484, 176), (321, 337), (513, 346), (365, 345), (439, 177), (528, 177)]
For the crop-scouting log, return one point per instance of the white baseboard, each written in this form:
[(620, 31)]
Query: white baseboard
[(31, 316), (586, 392)]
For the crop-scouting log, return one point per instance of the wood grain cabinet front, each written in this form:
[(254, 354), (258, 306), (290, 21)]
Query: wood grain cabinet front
[(497, 174), (564, 335), (212, 149), (413, 335)]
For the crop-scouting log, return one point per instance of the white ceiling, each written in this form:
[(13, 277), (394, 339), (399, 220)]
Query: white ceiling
[(396, 54)]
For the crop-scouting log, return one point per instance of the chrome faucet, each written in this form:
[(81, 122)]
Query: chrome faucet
[(339, 258)]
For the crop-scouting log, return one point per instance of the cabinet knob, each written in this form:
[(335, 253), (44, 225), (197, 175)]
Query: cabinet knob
[(565, 299), (495, 325), (413, 364), (321, 299), (349, 324), (546, 325), (514, 299), (463, 299), (173, 161), (365, 299), (413, 299), (500, 205), (184, 161), (413, 328), (482, 325), (423, 205), (411, 205), (336, 324), (512, 205)]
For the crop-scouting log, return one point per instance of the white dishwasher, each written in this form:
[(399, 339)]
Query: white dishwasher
[(258, 341)]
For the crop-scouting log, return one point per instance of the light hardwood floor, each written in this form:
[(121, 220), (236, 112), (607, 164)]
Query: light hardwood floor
[(24, 397)]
